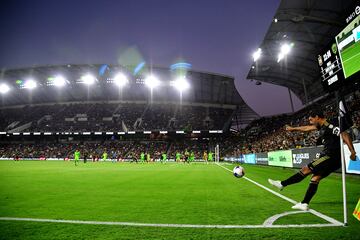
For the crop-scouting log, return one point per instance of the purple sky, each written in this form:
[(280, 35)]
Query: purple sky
[(216, 36)]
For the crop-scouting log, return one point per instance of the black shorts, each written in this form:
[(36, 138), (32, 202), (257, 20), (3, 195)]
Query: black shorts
[(325, 165)]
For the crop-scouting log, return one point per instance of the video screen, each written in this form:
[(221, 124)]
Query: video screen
[(349, 47)]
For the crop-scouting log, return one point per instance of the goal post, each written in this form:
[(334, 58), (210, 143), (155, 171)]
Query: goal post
[(217, 153)]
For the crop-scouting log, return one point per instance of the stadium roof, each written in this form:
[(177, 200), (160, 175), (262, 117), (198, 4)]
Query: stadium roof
[(310, 25), (205, 88)]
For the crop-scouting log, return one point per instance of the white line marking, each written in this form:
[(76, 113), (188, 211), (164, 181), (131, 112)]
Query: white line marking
[(316, 213), (163, 225), (272, 219)]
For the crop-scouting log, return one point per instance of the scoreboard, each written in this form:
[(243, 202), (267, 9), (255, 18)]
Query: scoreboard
[(339, 62), (331, 69)]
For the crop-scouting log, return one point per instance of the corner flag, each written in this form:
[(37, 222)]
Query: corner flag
[(356, 212), (345, 123), (344, 116)]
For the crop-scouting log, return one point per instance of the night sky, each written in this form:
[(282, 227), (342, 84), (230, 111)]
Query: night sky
[(215, 36)]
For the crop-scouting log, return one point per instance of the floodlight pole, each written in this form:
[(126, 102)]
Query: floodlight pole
[(305, 92), (291, 101)]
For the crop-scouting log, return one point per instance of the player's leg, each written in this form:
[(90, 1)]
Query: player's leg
[(297, 177), (320, 168), (310, 192), (313, 185), (313, 167)]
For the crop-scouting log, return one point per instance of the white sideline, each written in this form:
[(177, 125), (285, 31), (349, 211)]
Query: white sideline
[(316, 213), (132, 224)]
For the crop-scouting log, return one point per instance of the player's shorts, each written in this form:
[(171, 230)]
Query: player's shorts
[(325, 165)]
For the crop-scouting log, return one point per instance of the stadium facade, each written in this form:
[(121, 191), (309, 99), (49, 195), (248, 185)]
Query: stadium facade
[(210, 104)]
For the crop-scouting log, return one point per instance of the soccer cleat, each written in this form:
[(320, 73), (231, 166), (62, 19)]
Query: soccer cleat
[(301, 206), (276, 184)]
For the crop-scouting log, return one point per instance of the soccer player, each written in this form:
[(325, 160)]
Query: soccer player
[(85, 157), (104, 156), (76, 157), (148, 159), (210, 157), (163, 157), (205, 157), (142, 157), (178, 157), (186, 156), (114, 156), (192, 156), (329, 161)]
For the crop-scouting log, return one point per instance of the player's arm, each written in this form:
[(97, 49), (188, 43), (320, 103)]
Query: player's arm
[(347, 139), (301, 128)]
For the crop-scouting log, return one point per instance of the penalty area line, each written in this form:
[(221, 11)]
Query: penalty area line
[(316, 213), (133, 224)]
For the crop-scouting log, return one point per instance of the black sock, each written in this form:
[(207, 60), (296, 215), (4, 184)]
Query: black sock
[(298, 177), (313, 186)]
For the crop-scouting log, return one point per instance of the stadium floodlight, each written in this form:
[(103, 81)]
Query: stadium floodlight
[(4, 88), (257, 54), (120, 80), (59, 81), (181, 84), (275, 20), (280, 57), (284, 50), (88, 79), (30, 84), (152, 82)]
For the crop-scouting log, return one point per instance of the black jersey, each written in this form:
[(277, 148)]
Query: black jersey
[(329, 137)]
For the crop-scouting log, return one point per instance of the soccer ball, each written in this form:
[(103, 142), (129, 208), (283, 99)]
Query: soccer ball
[(238, 171)]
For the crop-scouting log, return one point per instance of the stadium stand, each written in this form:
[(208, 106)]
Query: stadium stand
[(207, 109)]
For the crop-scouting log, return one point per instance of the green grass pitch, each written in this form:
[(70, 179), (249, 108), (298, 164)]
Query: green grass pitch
[(163, 194), (351, 59)]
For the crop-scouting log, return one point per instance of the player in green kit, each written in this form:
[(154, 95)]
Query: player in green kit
[(192, 157), (210, 157), (104, 156), (163, 158), (178, 157), (76, 157), (142, 157)]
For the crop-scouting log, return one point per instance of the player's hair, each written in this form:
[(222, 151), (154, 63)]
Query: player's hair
[(317, 112)]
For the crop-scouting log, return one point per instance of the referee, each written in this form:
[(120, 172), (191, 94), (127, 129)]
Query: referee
[(330, 158)]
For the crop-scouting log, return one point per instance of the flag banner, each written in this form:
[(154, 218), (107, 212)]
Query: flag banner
[(345, 118), (356, 212)]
